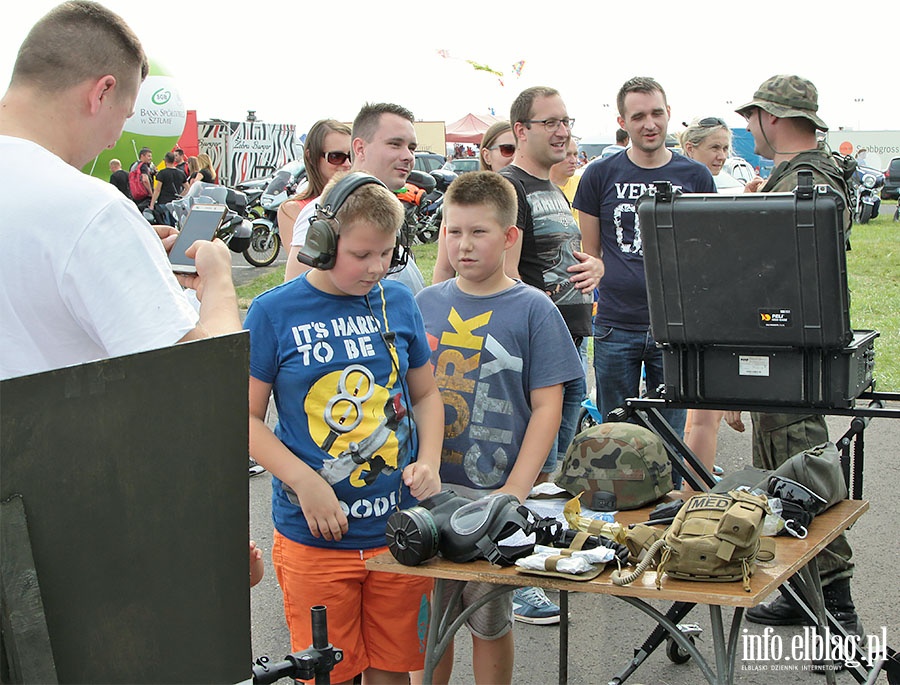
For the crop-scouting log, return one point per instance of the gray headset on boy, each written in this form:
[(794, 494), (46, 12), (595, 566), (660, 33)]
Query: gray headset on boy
[(320, 247)]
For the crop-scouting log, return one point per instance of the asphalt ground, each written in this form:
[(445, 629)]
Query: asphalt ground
[(604, 631)]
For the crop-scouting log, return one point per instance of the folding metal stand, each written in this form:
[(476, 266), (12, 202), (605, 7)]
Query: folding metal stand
[(804, 587)]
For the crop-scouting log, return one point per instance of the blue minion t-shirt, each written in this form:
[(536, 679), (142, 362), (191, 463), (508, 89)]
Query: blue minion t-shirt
[(337, 365)]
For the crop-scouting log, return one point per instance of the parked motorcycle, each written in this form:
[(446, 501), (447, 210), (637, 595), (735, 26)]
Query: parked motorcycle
[(254, 188), (265, 241), (866, 201), (424, 216), (234, 230)]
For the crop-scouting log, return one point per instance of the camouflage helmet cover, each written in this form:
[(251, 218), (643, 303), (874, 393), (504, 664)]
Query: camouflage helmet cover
[(786, 96), (624, 459)]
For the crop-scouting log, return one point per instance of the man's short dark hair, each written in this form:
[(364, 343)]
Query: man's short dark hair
[(521, 108), (179, 150), (488, 189), (638, 84), (76, 41), (169, 157), (144, 150), (367, 120), (621, 136)]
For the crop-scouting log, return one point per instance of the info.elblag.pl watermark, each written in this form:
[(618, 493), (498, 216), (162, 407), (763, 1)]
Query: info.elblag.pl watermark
[(772, 652)]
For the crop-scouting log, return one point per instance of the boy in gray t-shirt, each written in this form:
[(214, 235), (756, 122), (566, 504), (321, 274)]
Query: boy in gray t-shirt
[(501, 353)]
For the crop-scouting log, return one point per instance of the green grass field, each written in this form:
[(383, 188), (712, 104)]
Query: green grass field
[(873, 266), (873, 273)]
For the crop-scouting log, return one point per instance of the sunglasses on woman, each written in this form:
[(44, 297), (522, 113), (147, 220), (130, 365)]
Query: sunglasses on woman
[(710, 122), (336, 158), (506, 149)]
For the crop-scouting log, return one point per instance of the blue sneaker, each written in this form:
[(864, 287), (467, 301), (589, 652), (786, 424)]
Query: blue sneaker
[(531, 605)]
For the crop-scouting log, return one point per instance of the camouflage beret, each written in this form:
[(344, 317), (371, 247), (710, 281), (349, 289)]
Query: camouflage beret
[(786, 96)]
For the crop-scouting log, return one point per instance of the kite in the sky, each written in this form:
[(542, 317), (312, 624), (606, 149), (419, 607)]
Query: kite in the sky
[(484, 67), (478, 66), (517, 67)]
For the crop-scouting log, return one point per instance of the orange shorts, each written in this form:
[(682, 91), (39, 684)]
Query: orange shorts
[(379, 620)]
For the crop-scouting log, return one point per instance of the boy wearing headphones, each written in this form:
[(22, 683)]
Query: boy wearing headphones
[(501, 353), (346, 356)]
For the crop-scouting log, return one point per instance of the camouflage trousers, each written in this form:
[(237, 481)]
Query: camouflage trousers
[(771, 448)]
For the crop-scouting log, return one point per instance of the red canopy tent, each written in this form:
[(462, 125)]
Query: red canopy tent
[(470, 128)]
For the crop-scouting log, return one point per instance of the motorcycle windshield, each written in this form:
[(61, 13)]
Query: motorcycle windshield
[(199, 188), (279, 182), (289, 173)]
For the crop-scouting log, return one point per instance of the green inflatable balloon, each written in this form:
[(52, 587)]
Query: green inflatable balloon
[(157, 123)]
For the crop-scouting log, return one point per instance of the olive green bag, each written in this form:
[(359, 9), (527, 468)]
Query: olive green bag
[(714, 538)]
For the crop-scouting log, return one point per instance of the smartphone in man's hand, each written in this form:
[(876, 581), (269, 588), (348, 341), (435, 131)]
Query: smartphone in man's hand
[(201, 224)]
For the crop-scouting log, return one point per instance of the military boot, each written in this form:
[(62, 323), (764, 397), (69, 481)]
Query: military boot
[(781, 611), (785, 612), (840, 605)]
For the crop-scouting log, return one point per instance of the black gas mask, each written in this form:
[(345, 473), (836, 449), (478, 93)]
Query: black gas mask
[(463, 530)]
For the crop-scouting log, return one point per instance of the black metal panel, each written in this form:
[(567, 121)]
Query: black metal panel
[(133, 476)]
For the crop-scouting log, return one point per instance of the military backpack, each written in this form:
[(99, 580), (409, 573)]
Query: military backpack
[(715, 537)]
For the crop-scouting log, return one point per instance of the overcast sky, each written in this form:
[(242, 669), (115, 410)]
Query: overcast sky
[(296, 62)]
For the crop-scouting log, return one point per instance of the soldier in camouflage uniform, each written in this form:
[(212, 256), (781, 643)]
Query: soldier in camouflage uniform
[(783, 120)]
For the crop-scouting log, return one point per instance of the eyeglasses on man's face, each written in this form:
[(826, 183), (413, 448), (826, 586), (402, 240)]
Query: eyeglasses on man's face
[(506, 149), (552, 124), (336, 158)]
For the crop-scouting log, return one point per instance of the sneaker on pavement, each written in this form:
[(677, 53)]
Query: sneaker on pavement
[(531, 605)]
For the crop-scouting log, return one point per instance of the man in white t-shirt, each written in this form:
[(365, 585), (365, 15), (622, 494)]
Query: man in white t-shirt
[(383, 144), (82, 275)]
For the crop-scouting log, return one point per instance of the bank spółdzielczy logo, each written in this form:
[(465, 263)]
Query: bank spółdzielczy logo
[(161, 96)]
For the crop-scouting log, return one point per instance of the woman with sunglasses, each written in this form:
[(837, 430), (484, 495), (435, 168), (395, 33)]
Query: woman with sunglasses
[(498, 147), (325, 153), (708, 141)]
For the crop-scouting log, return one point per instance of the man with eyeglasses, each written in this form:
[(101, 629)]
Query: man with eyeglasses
[(784, 122), (605, 201), (548, 256)]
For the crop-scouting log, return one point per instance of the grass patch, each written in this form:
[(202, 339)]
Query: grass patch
[(873, 273), (248, 291), (873, 267)]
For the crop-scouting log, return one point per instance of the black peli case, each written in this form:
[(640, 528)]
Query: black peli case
[(759, 375), (753, 269)]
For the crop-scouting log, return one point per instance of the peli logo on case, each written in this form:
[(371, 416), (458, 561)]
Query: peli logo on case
[(775, 318)]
